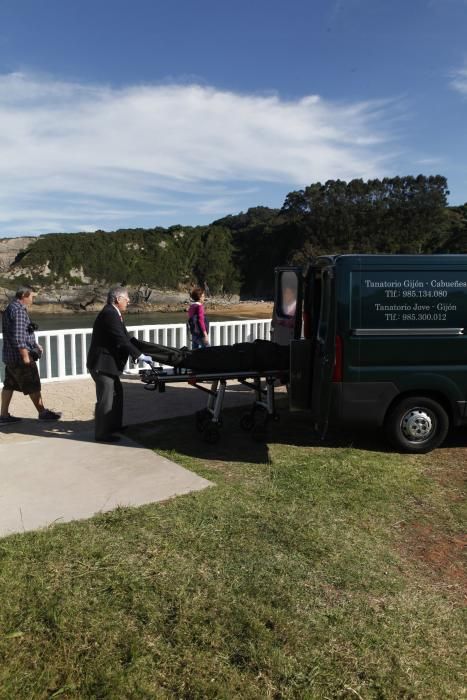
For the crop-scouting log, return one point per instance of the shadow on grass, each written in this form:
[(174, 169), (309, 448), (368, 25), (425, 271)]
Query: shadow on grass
[(238, 445), (157, 421)]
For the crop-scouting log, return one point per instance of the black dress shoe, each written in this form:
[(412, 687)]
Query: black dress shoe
[(108, 438), (121, 429)]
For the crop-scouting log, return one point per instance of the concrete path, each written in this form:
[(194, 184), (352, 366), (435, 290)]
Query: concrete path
[(55, 472)]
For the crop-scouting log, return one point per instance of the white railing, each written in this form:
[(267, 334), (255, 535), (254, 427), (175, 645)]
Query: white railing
[(65, 351)]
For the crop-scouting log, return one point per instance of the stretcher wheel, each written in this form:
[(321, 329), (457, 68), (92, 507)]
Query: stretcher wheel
[(247, 421), (202, 417), (211, 434)]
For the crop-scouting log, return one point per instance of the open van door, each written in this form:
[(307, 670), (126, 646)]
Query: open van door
[(324, 350), (287, 313)]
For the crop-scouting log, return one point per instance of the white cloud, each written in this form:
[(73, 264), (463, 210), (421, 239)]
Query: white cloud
[(429, 162), (72, 152), (459, 80)]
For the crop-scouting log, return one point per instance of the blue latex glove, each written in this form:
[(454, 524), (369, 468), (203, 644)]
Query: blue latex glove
[(145, 358)]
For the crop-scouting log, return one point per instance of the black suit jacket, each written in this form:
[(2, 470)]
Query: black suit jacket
[(110, 343)]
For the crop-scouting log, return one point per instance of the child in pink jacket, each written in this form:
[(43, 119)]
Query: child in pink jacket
[(197, 321)]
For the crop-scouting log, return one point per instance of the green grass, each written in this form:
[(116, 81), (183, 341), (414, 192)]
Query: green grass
[(300, 574)]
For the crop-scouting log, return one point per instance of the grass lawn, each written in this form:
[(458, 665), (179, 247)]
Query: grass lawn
[(308, 570)]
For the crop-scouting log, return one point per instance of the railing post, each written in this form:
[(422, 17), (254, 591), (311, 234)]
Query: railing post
[(61, 365), (73, 353), (48, 357), (83, 353)]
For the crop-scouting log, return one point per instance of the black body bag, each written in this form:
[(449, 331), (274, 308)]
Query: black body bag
[(240, 357)]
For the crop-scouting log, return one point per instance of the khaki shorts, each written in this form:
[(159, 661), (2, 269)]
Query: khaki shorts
[(23, 378)]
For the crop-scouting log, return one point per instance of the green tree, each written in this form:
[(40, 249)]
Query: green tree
[(215, 265)]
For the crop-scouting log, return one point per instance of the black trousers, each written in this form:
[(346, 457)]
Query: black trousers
[(109, 404)]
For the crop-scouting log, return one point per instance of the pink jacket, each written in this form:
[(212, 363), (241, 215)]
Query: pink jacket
[(198, 309)]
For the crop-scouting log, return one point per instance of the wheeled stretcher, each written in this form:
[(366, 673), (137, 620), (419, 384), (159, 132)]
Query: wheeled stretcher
[(258, 365), (209, 420)]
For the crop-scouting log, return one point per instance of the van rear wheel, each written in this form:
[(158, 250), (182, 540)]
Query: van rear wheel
[(417, 424)]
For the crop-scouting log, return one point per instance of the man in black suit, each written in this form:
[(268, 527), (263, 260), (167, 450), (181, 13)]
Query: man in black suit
[(109, 351)]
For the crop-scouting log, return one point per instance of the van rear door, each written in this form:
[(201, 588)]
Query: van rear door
[(324, 349), (302, 349), (287, 312)]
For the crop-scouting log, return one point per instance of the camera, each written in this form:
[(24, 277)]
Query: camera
[(35, 354), (32, 327)]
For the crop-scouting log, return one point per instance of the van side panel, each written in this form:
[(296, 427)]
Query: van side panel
[(361, 402), (401, 320)]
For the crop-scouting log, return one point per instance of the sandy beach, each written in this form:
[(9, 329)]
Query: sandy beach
[(242, 309), (245, 309)]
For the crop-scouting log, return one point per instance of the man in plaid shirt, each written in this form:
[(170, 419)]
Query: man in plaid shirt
[(20, 350)]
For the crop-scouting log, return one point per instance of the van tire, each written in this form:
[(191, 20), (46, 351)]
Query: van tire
[(417, 424)]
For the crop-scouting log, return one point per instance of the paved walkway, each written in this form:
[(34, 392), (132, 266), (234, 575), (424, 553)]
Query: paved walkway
[(55, 472)]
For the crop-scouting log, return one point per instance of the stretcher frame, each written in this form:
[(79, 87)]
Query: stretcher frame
[(209, 420)]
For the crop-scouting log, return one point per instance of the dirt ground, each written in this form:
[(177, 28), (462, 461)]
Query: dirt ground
[(441, 552), (246, 309), (242, 309)]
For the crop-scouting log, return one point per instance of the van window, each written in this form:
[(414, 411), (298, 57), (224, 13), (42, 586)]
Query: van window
[(288, 291)]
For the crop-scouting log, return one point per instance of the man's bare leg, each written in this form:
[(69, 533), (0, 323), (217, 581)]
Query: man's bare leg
[(6, 398), (7, 394), (36, 398)]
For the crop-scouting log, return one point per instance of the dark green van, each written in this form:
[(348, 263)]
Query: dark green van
[(378, 340)]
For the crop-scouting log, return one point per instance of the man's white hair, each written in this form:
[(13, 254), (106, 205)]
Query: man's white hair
[(114, 293)]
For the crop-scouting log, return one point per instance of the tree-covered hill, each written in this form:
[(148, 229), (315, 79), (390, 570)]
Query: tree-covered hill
[(239, 252), (166, 258)]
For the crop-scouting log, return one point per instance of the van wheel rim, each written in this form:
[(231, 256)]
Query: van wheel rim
[(418, 425)]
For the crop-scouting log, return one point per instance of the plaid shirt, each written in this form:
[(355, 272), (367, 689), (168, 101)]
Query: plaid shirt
[(15, 323)]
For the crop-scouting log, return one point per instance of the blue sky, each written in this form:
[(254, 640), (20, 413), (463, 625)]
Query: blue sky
[(116, 114)]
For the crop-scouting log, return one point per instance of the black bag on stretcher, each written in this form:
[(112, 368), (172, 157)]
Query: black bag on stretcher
[(241, 357)]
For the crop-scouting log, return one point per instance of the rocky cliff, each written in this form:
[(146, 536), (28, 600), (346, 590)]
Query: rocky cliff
[(60, 295), (10, 249), (69, 299)]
